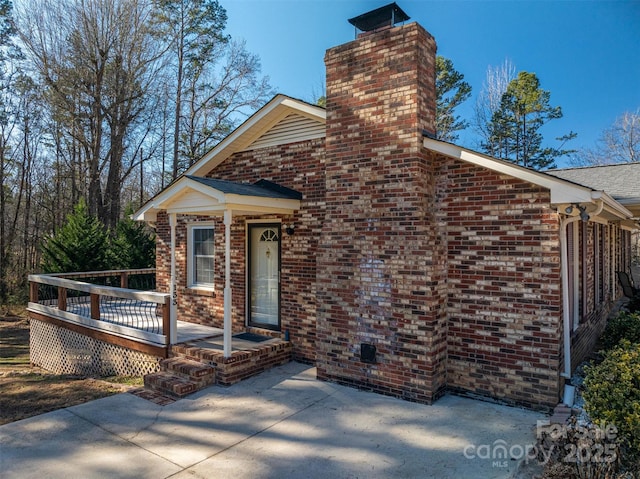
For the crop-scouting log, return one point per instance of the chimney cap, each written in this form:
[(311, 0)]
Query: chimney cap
[(389, 15)]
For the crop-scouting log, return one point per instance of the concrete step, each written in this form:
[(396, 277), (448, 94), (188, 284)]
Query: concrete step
[(171, 384)]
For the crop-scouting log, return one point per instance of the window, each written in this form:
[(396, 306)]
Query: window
[(201, 256)]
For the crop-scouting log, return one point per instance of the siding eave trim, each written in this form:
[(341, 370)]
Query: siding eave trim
[(561, 191)]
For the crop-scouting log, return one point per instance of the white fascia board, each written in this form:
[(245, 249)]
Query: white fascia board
[(182, 186), (316, 113), (147, 213), (205, 210), (237, 209), (561, 191), (612, 205), (172, 194), (258, 202), (250, 130), (262, 209)]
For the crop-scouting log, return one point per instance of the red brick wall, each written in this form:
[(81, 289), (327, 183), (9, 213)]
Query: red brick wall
[(381, 261), (450, 270), (593, 315), (299, 166), (505, 301), (200, 306)]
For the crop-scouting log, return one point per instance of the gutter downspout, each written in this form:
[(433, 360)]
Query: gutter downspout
[(564, 267)]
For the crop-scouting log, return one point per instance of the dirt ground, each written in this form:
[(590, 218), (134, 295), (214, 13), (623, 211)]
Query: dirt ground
[(27, 391)]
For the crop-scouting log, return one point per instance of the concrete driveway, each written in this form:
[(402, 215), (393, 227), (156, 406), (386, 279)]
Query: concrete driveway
[(280, 424)]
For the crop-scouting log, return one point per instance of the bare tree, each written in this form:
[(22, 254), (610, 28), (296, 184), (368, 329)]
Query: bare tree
[(96, 59), (193, 31), (9, 164), (490, 98), (214, 105), (620, 143), (216, 81)]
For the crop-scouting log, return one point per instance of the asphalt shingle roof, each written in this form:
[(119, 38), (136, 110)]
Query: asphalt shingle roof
[(621, 181), (262, 188)]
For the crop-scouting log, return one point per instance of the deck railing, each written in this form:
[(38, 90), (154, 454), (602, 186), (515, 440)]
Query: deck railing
[(131, 314)]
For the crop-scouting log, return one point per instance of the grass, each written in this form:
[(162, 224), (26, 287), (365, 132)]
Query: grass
[(28, 391)]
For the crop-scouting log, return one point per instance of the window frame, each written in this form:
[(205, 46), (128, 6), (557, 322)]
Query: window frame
[(191, 257)]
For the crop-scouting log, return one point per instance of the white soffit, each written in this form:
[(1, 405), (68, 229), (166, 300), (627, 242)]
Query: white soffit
[(260, 124), (561, 191)]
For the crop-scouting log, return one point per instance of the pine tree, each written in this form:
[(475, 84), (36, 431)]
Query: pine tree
[(451, 91), (133, 246), (515, 127), (82, 244)]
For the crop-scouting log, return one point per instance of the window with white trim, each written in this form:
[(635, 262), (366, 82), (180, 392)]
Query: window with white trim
[(201, 256)]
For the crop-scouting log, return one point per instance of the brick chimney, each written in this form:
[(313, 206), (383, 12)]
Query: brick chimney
[(382, 262)]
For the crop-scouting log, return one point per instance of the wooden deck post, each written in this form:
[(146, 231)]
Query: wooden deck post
[(95, 306), (62, 298), (33, 291), (124, 279)]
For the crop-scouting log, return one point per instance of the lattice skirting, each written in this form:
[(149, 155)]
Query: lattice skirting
[(63, 351)]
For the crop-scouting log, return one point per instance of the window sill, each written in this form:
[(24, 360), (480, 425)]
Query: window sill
[(201, 291)]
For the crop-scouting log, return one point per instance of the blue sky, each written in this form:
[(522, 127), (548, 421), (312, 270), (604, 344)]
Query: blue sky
[(586, 53)]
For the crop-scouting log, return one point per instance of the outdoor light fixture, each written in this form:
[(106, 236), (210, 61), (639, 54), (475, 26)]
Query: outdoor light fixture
[(289, 229), (584, 216)]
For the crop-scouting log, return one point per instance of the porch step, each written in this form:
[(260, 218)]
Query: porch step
[(193, 370), (179, 377), (170, 384)]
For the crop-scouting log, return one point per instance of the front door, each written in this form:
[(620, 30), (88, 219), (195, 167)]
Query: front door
[(264, 275)]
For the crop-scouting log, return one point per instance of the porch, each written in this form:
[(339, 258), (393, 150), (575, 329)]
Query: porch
[(94, 328)]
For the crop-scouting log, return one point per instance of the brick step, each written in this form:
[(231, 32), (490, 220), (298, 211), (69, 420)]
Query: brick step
[(170, 384), (179, 377), (193, 370)]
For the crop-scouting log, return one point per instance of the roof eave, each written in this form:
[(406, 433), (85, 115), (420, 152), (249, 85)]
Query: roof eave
[(561, 191), (213, 202), (270, 114)]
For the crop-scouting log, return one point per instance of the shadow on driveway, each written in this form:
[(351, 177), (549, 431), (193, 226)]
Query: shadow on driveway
[(282, 423)]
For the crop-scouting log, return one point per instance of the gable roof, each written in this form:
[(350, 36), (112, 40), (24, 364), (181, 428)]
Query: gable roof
[(621, 181), (562, 192), (208, 196), (261, 188), (281, 120)]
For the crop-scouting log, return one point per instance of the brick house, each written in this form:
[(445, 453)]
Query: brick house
[(392, 261)]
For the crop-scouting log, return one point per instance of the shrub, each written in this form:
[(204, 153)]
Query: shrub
[(634, 304), (575, 451), (82, 244), (133, 245), (623, 326), (612, 396)]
